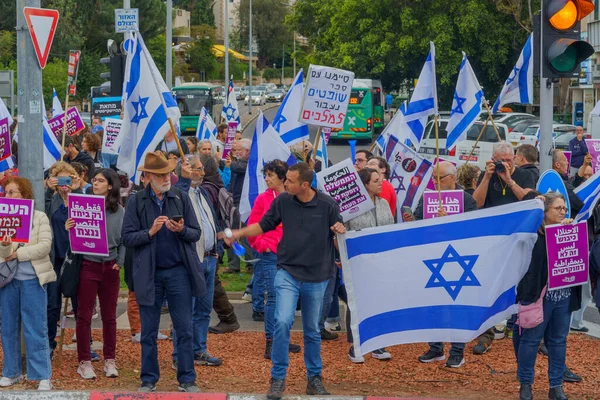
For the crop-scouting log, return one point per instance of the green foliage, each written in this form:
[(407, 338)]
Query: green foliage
[(201, 11), (202, 58), (275, 73), (7, 47), (54, 76), (157, 46)]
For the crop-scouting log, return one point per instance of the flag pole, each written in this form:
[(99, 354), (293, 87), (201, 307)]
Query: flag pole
[(487, 107), (437, 156), (62, 156), (478, 138), (317, 140)]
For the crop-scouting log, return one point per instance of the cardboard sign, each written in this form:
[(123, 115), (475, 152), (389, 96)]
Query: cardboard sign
[(110, 139), (326, 96), (16, 219), (568, 255), (5, 150), (74, 123), (89, 234), (231, 131), (453, 202), (341, 182)]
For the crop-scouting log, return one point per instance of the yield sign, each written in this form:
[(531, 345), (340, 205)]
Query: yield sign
[(42, 26)]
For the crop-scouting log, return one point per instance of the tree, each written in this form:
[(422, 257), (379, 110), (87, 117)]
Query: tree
[(54, 76), (202, 58), (201, 11)]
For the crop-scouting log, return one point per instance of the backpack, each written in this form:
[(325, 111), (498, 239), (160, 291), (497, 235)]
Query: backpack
[(227, 212)]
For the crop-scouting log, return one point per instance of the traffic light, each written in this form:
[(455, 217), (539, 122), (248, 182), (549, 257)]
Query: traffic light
[(563, 49), (113, 85)]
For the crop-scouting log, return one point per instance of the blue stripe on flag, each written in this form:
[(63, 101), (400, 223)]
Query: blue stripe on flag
[(524, 93), (50, 146), (134, 74), (527, 221), (295, 134), (158, 119), (169, 100), (253, 190), (471, 115), (433, 317), (419, 106)]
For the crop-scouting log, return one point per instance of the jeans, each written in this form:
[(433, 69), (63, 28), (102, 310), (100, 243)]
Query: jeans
[(25, 302), (102, 280), (201, 308), (133, 314), (174, 285), (311, 295), (264, 275), (457, 349), (327, 300), (554, 331), (586, 299), (54, 302), (334, 310)]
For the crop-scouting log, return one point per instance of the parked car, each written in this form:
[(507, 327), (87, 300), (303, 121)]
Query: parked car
[(558, 130), (516, 137), (258, 98), (562, 142), (238, 93), (509, 119), (275, 96)]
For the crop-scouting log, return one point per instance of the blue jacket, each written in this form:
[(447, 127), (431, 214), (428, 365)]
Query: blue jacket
[(135, 236), (578, 151)]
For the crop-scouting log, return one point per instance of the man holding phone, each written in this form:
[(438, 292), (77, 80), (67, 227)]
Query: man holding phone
[(161, 228)]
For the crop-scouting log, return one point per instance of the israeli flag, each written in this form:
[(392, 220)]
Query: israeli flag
[(148, 103), (230, 112), (52, 147), (423, 102), (466, 105), (56, 106), (286, 120), (8, 163), (458, 277), (397, 127), (266, 146), (518, 88), (589, 193), (321, 152), (207, 129)]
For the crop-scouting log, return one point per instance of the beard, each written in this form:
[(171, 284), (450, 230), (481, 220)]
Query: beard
[(162, 187)]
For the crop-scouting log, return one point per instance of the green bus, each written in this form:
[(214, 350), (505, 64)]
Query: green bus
[(359, 122), (377, 95), (191, 97)]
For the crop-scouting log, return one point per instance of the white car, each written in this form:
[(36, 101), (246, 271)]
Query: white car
[(516, 137), (462, 151), (530, 134), (510, 119), (258, 98)]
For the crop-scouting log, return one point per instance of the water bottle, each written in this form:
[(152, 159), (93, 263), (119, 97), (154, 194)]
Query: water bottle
[(237, 248)]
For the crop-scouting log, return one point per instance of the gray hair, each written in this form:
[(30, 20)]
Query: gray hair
[(556, 156), (203, 141), (550, 198), (502, 148), (245, 143)]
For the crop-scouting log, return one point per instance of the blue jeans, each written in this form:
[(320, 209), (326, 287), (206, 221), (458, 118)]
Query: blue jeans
[(267, 268), (174, 284), (258, 285), (53, 303), (327, 300), (287, 291), (201, 308), (457, 349), (334, 310), (553, 330), (25, 302)]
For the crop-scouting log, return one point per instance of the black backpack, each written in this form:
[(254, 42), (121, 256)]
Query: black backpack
[(227, 212)]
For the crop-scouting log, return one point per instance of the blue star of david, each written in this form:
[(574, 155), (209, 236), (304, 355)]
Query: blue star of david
[(280, 120), (229, 111), (140, 109), (513, 76), (459, 102), (452, 287), (395, 177)]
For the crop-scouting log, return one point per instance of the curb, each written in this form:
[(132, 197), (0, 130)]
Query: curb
[(68, 395)]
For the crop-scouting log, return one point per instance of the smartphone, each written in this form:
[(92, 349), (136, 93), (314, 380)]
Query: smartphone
[(177, 218), (407, 210), (64, 181)]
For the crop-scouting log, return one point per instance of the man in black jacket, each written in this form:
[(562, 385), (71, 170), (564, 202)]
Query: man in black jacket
[(526, 157), (72, 154)]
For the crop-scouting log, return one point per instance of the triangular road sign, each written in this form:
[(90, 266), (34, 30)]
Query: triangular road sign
[(42, 26)]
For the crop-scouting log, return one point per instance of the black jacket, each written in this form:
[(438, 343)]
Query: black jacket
[(574, 200), (238, 173), (533, 170), (85, 159)]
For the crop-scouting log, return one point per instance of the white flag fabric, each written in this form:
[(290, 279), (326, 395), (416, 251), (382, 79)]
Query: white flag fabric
[(56, 106), (230, 112), (266, 146), (457, 278), (589, 193), (398, 128), (466, 105), (286, 121), (148, 104), (321, 152), (52, 147), (4, 113), (518, 88), (595, 111), (207, 129)]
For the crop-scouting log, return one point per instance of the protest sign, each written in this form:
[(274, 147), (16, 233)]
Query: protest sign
[(326, 134), (74, 123), (452, 202), (593, 146), (568, 259), (88, 236), (111, 139), (5, 141), (430, 184), (231, 130), (326, 96), (105, 107), (341, 182), (568, 155), (16, 219)]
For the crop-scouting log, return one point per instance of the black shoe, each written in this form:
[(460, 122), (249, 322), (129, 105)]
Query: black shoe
[(294, 348), (222, 327), (557, 393), (268, 349), (584, 329), (354, 358), (570, 376), (315, 386), (326, 335), (455, 361), (431, 356), (481, 348), (276, 390), (543, 350), (188, 387), (525, 393), (258, 316), (147, 387)]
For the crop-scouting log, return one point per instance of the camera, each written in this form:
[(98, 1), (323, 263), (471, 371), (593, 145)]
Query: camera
[(499, 166)]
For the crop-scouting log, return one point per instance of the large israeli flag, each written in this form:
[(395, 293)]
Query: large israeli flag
[(56, 106), (589, 193), (148, 103), (266, 146), (518, 88), (286, 120), (457, 276), (207, 129), (466, 105), (230, 112)]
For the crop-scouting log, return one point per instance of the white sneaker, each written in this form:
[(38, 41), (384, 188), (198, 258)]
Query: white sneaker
[(110, 368), (45, 385), (6, 382), (74, 338), (333, 326), (86, 370), (161, 336), (247, 297), (298, 313), (137, 338)]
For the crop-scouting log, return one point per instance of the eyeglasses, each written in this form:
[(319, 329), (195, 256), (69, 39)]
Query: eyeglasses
[(560, 209), (13, 192), (198, 169), (441, 177), (96, 180)]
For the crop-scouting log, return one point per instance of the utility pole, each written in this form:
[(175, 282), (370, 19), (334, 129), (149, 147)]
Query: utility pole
[(226, 46), (30, 100), (546, 110), (169, 58), (250, 60)]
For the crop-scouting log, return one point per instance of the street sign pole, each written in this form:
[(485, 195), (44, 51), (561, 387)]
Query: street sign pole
[(546, 108), (30, 100)]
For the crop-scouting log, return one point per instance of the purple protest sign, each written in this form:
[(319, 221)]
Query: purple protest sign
[(4, 139), (568, 155), (593, 146), (327, 133), (231, 130), (74, 123), (452, 202), (16, 219), (89, 234), (568, 257), (430, 185)]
